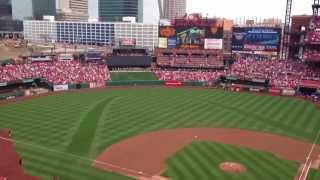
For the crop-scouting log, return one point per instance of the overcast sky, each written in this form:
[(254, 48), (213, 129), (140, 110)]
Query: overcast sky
[(247, 8)]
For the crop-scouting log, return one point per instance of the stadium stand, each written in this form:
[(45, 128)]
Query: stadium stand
[(181, 58), (185, 75), (56, 72), (281, 74)]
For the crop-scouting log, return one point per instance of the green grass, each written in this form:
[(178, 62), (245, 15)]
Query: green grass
[(131, 76), (313, 175), (207, 156), (61, 134)]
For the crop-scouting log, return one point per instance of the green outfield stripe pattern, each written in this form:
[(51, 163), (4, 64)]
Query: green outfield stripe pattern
[(62, 134), (81, 141)]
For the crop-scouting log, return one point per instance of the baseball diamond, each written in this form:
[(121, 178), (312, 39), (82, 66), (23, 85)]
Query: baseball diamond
[(149, 90), (62, 134)]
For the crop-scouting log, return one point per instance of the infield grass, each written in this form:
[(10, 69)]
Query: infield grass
[(207, 156), (62, 134)]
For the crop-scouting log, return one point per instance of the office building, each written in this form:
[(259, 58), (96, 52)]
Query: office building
[(149, 11), (5, 9), (32, 9), (174, 8), (72, 10), (115, 10), (100, 33)]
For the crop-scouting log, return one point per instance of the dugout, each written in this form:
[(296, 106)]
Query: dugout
[(237, 83), (309, 87)]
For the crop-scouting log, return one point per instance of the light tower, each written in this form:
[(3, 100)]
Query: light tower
[(286, 31), (316, 7)]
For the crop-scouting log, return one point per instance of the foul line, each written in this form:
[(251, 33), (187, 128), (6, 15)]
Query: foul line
[(140, 173), (309, 154)]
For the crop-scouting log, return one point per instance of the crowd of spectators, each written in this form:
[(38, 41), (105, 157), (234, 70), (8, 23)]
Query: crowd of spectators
[(185, 75), (311, 55), (192, 61), (281, 74), (56, 72)]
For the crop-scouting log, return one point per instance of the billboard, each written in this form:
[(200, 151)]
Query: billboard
[(127, 42), (167, 31), (163, 42), (190, 36), (60, 87), (256, 39), (213, 44), (313, 36), (172, 43)]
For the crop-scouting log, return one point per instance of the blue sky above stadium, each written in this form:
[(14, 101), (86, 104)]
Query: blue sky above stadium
[(247, 8)]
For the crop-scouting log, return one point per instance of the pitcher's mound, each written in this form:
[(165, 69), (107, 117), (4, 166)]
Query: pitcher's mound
[(232, 167)]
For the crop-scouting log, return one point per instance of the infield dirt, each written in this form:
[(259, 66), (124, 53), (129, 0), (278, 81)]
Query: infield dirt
[(145, 155)]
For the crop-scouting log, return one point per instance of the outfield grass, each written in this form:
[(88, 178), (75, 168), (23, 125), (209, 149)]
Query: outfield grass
[(207, 156), (131, 76), (61, 134), (313, 175)]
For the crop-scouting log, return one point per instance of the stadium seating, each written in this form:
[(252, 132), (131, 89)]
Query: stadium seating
[(281, 74), (311, 55), (176, 75), (181, 58), (56, 72)]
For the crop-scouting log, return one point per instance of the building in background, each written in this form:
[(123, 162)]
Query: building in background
[(115, 10), (298, 29), (32, 9), (91, 33), (93, 9), (5, 9), (72, 10), (149, 11), (174, 8)]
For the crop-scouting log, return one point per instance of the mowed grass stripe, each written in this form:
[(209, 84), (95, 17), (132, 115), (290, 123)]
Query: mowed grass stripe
[(81, 141), (143, 110), (258, 164)]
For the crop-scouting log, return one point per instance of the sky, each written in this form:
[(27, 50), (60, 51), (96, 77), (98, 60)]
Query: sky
[(248, 8)]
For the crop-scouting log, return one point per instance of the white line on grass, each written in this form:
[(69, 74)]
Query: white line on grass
[(308, 157), (78, 157)]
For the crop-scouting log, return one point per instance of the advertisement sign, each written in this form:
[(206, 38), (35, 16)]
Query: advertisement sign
[(172, 43), (60, 87), (167, 31), (191, 36), (288, 92), (127, 42), (163, 43), (256, 39), (213, 43), (314, 33), (97, 85)]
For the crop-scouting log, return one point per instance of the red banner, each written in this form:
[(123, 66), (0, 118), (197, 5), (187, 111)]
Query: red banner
[(173, 83)]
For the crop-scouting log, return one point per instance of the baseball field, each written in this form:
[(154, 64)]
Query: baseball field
[(64, 134)]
